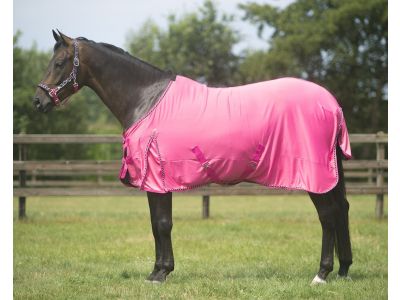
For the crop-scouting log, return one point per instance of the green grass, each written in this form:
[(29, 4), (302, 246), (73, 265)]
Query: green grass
[(251, 248)]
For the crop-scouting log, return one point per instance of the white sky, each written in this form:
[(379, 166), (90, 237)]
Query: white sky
[(110, 21)]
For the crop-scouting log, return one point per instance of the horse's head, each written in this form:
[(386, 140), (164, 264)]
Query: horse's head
[(61, 77)]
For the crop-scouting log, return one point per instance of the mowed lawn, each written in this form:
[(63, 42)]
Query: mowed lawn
[(251, 248)]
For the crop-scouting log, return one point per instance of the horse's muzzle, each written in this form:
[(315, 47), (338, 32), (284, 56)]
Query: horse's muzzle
[(42, 108)]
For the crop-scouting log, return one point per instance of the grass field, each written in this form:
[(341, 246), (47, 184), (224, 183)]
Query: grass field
[(250, 248)]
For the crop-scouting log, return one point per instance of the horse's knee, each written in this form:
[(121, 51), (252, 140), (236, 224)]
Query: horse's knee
[(164, 226)]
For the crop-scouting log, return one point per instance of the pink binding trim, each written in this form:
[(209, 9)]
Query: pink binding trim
[(161, 164)]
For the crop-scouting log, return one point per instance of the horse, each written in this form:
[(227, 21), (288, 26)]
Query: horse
[(133, 90)]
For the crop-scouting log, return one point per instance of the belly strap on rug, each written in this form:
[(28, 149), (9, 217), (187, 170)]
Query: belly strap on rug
[(251, 166)]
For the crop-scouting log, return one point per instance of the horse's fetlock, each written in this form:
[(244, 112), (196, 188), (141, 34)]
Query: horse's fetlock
[(169, 266), (324, 272), (344, 267)]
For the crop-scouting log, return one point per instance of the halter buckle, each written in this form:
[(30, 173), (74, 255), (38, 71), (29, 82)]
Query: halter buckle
[(75, 85), (76, 61)]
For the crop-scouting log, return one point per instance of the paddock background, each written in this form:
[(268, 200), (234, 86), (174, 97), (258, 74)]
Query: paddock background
[(258, 247), (79, 177)]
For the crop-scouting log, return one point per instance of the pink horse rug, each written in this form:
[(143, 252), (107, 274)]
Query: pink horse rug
[(280, 133)]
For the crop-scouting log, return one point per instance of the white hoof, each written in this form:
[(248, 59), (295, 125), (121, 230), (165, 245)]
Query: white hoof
[(317, 280), (153, 281)]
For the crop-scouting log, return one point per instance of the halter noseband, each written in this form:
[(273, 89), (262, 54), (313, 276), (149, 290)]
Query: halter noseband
[(53, 92)]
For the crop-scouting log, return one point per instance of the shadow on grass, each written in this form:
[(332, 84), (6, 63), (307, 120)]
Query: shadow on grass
[(132, 274), (251, 273)]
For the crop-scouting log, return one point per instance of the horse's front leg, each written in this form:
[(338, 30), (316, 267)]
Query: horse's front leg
[(161, 223)]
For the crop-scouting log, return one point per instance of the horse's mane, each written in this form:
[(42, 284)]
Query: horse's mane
[(116, 50), (122, 52)]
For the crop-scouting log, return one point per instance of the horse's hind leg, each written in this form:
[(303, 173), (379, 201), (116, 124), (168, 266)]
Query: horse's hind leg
[(327, 211), (343, 243), (161, 223)]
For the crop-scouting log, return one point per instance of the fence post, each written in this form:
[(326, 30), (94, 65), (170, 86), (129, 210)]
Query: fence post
[(22, 183), (380, 155), (206, 206), (99, 177)]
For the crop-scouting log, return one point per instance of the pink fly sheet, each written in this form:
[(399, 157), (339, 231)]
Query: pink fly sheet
[(280, 133)]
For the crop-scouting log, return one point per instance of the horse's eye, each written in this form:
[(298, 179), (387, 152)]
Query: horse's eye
[(60, 63)]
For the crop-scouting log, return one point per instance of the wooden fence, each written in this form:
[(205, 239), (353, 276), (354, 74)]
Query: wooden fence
[(59, 178)]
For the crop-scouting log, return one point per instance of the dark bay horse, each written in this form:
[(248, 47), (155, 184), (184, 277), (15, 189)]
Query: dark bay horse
[(130, 88)]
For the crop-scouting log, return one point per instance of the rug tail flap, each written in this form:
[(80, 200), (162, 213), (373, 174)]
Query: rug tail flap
[(343, 137)]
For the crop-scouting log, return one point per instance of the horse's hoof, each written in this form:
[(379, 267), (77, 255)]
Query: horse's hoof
[(157, 282), (317, 280), (154, 281), (157, 277), (151, 276)]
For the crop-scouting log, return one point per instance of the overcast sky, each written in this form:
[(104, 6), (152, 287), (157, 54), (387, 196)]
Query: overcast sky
[(110, 21)]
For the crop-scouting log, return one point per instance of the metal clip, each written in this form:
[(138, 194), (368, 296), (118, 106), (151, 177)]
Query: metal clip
[(253, 165), (206, 165), (76, 62)]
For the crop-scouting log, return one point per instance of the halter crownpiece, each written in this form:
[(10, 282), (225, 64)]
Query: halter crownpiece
[(53, 92)]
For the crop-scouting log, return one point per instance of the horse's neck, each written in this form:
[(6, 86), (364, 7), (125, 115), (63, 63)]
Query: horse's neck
[(126, 85)]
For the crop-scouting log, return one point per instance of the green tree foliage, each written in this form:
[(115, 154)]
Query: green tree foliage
[(198, 45), (339, 44)]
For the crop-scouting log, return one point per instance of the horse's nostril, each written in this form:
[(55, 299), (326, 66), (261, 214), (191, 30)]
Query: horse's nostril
[(36, 102)]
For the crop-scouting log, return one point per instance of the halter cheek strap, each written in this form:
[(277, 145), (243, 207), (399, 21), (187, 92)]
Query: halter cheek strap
[(53, 92)]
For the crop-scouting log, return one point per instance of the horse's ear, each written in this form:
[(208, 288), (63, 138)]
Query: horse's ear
[(56, 36), (67, 40)]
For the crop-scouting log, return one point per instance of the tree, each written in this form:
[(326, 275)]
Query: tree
[(340, 44), (198, 45)]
